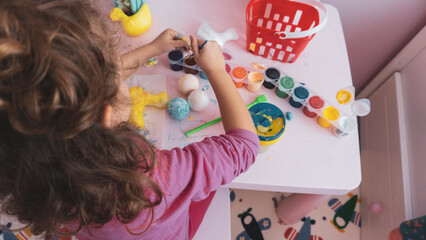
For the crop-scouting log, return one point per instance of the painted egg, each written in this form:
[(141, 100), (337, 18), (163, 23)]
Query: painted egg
[(188, 83), (178, 108), (198, 100)]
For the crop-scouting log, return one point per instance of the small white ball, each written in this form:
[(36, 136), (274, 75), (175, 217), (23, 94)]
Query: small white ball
[(198, 100), (188, 83)]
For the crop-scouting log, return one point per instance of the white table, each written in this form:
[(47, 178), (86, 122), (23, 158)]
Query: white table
[(309, 158)]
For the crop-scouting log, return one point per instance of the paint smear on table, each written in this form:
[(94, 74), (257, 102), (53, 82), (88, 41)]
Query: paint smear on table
[(153, 117)]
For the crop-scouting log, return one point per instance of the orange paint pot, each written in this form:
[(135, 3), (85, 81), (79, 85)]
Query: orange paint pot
[(238, 75), (255, 81)]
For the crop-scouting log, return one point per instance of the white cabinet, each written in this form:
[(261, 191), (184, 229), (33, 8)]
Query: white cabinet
[(393, 143), (382, 152)]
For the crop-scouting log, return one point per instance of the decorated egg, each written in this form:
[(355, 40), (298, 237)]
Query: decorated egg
[(187, 83), (178, 108), (198, 100)]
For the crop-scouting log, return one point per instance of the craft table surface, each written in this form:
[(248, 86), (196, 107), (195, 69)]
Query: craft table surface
[(309, 158)]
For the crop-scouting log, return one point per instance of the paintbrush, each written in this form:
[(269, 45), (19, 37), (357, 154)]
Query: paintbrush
[(259, 99)]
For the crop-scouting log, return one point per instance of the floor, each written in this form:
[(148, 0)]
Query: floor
[(318, 225)]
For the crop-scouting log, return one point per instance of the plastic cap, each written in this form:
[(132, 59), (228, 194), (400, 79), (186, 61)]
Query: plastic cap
[(331, 113), (316, 102), (361, 107), (301, 93), (272, 73), (175, 55), (239, 72), (287, 82)]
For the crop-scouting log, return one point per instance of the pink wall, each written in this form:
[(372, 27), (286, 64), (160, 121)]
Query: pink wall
[(376, 31)]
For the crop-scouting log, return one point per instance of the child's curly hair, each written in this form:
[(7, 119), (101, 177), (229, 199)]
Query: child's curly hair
[(58, 163)]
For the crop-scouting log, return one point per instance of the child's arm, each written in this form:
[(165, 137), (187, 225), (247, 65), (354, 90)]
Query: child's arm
[(233, 110), (133, 60)]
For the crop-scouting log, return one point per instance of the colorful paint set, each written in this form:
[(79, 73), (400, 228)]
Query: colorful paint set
[(312, 104), (184, 60), (242, 76)]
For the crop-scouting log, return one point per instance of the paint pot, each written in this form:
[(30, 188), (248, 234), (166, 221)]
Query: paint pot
[(345, 126), (330, 114), (270, 124), (345, 95), (176, 60), (239, 74), (190, 65), (315, 103), (255, 81), (284, 87), (300, 94), (272, 75), (361, 107)]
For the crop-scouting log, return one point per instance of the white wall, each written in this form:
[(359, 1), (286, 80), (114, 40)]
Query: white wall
[(376, 30)]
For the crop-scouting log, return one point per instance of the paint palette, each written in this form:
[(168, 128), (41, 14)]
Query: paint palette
[(313, 104)]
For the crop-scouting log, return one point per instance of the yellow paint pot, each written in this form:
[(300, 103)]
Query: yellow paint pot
[(255, 81), (330, 114), (344, 96)]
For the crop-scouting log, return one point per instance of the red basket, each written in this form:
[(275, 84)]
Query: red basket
[(281, 29)]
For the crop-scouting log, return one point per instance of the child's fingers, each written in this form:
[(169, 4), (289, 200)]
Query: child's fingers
[(179, 43), (194, 45), (173, 33)]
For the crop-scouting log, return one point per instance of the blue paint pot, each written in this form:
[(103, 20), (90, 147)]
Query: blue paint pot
[(300, 94)]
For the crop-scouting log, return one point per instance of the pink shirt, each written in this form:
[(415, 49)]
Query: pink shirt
[(187, 175)]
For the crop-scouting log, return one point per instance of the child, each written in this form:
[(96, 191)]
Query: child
[(67, 155)]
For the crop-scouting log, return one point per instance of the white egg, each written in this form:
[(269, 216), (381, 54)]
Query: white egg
[(188, 83), (198, 100)]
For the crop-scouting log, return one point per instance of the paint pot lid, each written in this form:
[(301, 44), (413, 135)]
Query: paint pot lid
[(239, 72), (175, 55), (287, 82), (259, 66), (273, 73), (347, 125), (316, 102), (361, 107), (331, 113), (301, 92)]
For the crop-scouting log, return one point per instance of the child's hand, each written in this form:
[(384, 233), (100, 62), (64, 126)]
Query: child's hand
[(210, 57), (167, 41)]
